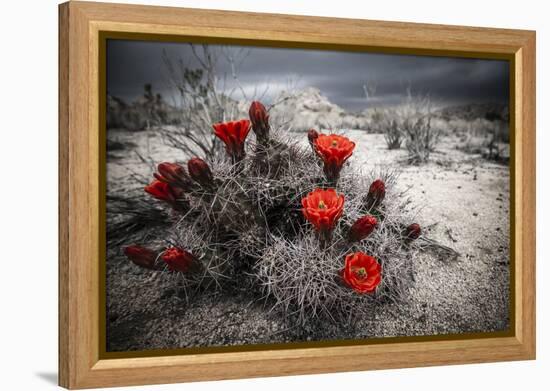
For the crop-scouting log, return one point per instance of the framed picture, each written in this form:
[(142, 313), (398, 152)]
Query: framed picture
[(247, 195)]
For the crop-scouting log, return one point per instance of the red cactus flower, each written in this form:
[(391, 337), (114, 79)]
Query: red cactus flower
[(323, 208), (200, 172), (413, 231), (334, 150), (141, 256), (163, 191), (178, 259), (362, 228), (361, 272), (175, 175), (260, 120), (377, 193), (233, 135)]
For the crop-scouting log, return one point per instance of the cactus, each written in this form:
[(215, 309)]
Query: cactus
[(298, 225)]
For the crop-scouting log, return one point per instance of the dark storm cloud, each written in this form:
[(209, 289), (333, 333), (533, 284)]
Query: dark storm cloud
[(339, 75)]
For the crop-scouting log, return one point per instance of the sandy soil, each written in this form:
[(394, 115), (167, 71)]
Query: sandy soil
[(466, 196)]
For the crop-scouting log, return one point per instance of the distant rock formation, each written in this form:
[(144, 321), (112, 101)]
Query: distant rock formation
[(309, 108)]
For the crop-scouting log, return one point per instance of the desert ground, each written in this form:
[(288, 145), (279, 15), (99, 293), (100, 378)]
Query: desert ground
[(464, 204)]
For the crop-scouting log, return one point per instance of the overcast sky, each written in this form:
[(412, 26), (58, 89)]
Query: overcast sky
[(339, 75)]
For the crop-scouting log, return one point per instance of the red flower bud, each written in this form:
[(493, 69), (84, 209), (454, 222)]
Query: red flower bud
[(178, 259), (175, 175), (361, 272), (413, 231), (377, 193), (362, 228), (260, 121), (312, 135), (233, 135), (334, 150), (141, 256), (172, 172), (200, 172), (162, 191)]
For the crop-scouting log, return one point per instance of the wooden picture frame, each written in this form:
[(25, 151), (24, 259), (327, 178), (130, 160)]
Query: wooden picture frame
[(81, 25)]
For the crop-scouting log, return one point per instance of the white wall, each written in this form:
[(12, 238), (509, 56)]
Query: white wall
[(28, 218)]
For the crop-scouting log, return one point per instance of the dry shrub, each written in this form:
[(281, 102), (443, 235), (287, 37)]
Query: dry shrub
[(393, 135), (416, 123), (409, 122), (490, 139), (386, 121), (204, 99)]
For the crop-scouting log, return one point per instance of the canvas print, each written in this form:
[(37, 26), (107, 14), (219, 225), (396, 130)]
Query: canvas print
[(268, 195)]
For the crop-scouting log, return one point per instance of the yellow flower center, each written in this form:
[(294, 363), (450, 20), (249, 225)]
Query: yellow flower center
[(334, 143), (322, 205), (360, 272)]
